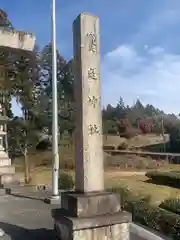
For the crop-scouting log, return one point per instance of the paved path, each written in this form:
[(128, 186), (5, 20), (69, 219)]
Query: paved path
[(25, 219), (25, 216)]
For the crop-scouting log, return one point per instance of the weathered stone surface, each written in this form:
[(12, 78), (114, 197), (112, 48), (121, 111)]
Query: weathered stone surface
[(89, 213), (99, 227), (6, 178), (1, 233), (88, 135), (27, 218), (90, 204), (16, 39), (7, 169), (114, 232), (2, 191), (141, 232), (4, 159)]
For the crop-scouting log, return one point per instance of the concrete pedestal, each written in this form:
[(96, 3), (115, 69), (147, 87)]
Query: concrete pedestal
[(7, 172), (91, 216), (53, 200)]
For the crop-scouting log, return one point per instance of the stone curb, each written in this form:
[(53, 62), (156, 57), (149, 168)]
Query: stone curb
[(145, 233)]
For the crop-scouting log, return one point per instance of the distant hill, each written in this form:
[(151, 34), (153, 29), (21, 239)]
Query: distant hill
[(113, 116)]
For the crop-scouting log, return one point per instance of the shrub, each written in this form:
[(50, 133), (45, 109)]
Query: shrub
[(66, 155), (145, 125), (123, 126), (122, 146), (174, 140), (109, 147), (156, 218), (125, 194), (128, 197), (67, 164), (155, 164), (172, 205), (131, 132), (142, 163), (170, 178), (131, 161), (65, 181)]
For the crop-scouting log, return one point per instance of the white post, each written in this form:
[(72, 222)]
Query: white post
[(55, 169)]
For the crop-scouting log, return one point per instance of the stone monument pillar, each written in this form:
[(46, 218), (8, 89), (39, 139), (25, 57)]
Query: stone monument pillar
[(89, 212), (88, 134)]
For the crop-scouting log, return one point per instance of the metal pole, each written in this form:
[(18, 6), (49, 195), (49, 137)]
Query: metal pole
[(55, 169), (162, 127)]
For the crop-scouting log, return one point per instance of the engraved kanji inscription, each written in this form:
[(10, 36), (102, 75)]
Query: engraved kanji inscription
[(92, 74), (93, 100), (92, 42), (92, 129), (86, 159)]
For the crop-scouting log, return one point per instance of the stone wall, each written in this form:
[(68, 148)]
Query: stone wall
[(113, 232), (16, 39)]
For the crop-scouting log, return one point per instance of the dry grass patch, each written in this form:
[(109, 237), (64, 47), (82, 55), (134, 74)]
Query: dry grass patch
[(138, 185)]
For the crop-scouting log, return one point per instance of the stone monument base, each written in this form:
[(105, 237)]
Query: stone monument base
[(91, 216), (7, 176), (7, 170)]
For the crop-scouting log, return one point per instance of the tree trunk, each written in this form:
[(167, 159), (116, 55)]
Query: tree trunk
[(26, 162), (26, 167)]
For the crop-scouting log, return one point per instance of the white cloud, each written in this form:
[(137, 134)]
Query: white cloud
[(154, 77), (156, 51), (161, 27)]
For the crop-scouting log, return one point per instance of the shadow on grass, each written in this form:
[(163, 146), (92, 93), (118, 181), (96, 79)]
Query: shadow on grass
[(19, 233), (161, 183)]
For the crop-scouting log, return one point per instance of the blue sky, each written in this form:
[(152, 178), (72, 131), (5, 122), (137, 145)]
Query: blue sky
[(140, 44)]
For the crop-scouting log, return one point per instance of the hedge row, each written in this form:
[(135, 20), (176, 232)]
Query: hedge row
[(172, 205), (171, 178), (156, 218)]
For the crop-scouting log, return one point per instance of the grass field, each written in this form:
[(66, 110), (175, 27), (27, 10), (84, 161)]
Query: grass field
[(40, 169), (139, 186), (133, 181)]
